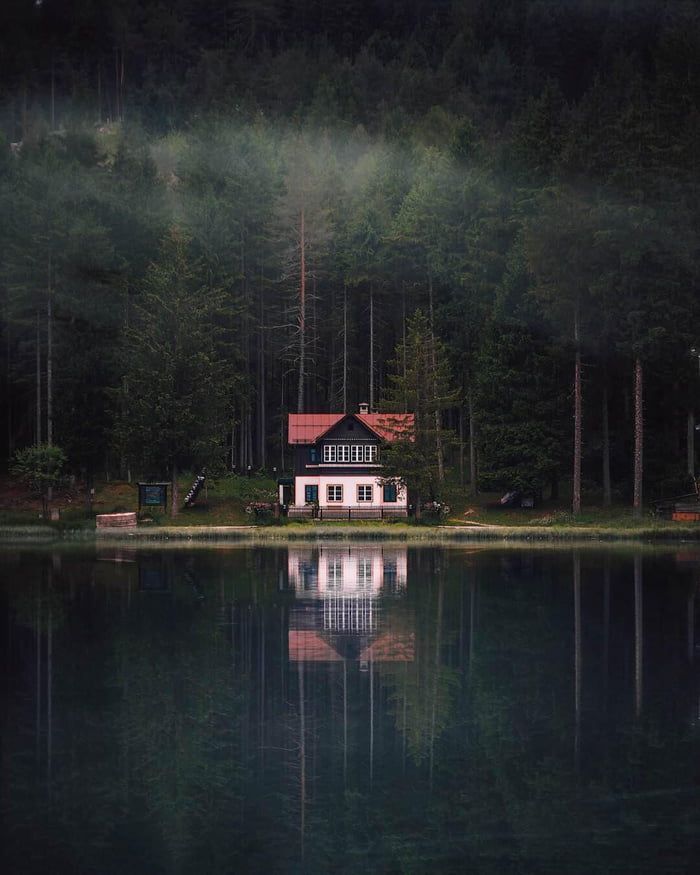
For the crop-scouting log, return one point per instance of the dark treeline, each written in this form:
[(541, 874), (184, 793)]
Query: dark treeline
[(216, 213)]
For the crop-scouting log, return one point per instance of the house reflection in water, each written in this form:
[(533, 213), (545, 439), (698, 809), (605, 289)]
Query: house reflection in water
[(348, 605)]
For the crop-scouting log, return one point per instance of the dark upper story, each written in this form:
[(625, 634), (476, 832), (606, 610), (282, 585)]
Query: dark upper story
[(336, 443)]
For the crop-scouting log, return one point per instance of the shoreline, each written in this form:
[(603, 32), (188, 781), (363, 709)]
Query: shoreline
[(446, 534)]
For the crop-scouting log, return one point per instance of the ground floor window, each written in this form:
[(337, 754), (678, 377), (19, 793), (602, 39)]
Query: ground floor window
[(390, 492), (334, 493), (364, 493), (311, 494), (335, 573)]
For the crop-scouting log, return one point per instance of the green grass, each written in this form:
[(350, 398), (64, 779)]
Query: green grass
[(224, 501)]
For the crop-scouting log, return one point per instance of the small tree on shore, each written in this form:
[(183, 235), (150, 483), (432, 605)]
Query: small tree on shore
[(41, 469)]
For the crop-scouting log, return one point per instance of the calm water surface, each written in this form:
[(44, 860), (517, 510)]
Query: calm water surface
[(342, 708)]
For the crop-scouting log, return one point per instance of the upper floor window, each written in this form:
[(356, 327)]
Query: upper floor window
[(350, 453), (329, 454), (313, 455)]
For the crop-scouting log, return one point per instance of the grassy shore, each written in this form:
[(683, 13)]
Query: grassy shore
[(221, 514)]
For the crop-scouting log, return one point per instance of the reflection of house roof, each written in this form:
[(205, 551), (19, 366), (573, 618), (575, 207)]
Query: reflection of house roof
[(390, 648), (307, 428), (309, 646), (305, 646)]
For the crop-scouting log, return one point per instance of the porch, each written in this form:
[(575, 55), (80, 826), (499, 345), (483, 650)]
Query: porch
[(346, 512)]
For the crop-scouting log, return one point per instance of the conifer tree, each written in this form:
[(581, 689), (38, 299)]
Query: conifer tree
[(180, 382), (420, 383)]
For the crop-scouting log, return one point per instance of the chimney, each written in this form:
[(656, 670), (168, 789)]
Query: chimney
[(364, 407)]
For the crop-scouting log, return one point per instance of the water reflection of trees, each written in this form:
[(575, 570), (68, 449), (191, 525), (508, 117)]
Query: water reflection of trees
[(544, 720)]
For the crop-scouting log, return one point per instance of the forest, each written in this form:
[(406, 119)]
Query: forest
[(217, 213)]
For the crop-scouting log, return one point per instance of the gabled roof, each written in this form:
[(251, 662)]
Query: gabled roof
[(390, 648), (307, 646), (389, 426), (307, 428)]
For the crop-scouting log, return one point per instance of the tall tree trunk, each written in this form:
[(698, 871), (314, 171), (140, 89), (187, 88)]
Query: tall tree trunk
[(472, 445), (461, 446), (249, 435), (638, 436), (578, 416), (49, 358), (8, 371), (345, 347), (302, 314), (436, 413), (312, 394), (371, 347), (175, 496), (262, 400), (691, 443), (405, 351), (38, 379), (233, 440), (607, 489)]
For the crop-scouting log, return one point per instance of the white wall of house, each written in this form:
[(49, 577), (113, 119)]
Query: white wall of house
[(347, 572), (350, 484)]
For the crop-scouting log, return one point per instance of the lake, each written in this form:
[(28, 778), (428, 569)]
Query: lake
[(350, 708)]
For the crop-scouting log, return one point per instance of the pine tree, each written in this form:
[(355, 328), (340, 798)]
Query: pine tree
[(179, 381), (420, 383)]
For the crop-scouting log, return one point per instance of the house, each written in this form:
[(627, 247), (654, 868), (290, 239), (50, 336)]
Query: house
[(343, 605), (337, 465)]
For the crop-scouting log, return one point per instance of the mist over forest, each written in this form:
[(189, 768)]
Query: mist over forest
[(217, 213)]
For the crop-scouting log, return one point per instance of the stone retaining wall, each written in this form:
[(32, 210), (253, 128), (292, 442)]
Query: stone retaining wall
[(115, 520)]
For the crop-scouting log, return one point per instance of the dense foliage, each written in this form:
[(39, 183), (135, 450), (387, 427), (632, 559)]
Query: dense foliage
[(525, 172)]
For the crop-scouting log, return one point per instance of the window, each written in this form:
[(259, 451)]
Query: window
[(334, 493), (343, 453), (364, 493), (364, 573), (371, 453), (390, 492), (313, 454), (335, 574), (311, 494), (329, 453), (356, 453)]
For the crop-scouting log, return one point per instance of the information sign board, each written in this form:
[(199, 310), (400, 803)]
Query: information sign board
[(153, 495)]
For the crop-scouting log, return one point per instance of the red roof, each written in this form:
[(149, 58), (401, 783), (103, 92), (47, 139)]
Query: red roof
[(306, 646), (391, 648), (307, 428), (389, 426)]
